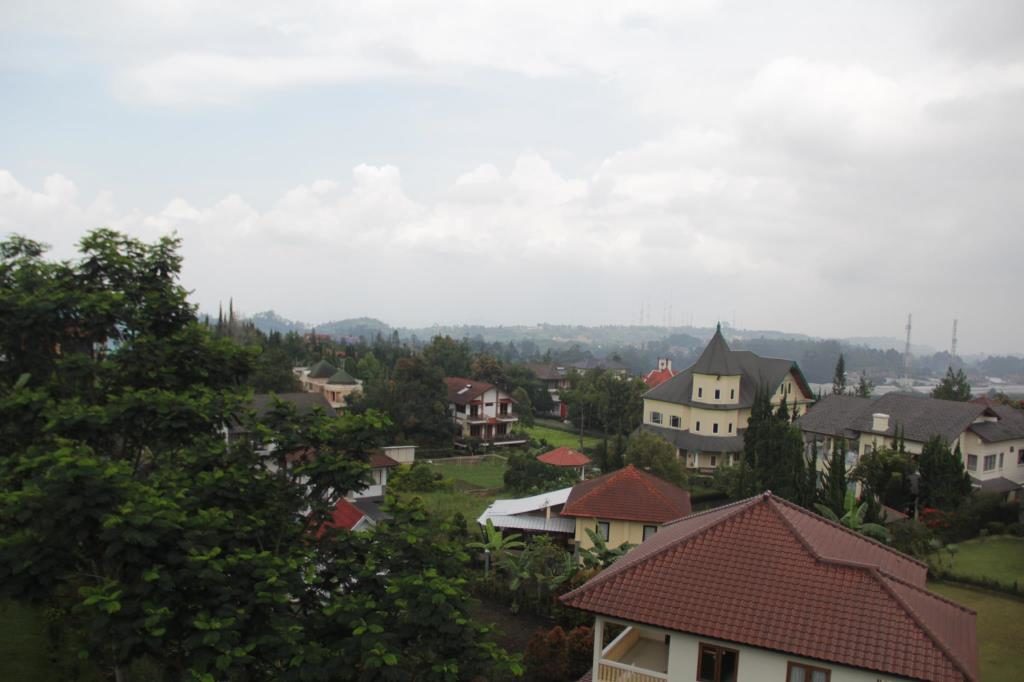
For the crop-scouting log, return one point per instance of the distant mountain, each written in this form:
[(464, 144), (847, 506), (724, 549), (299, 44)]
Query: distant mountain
[(269, 321), (367, 327)]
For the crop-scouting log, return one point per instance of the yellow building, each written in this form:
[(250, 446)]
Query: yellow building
[(627, 505), (703, 410)]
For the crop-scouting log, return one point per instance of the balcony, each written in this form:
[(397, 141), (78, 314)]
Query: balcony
[(634, 656)]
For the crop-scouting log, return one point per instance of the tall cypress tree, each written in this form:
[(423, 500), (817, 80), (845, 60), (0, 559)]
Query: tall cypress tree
[(839, 378), (833, 487)]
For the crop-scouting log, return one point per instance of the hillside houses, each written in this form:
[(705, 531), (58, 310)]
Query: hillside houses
[(481, 411)]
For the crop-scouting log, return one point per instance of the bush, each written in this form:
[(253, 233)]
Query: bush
[(420, 478), (554, 656), (995, 527), (977, 513), (526, 475), (1016, 528), (913, 538)]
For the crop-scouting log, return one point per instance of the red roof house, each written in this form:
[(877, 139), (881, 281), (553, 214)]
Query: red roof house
[(345, 515), (624, 506), (763, 589), (656, 377)]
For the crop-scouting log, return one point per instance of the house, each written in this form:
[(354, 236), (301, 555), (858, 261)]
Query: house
[(703, 410), (657, 377), (482, 411), (611, 365), (262, 404), (348, 516), (555, 379), (626, 505), (567, 458), (990, 436), (765, 590), (535, 515), (333, 382)]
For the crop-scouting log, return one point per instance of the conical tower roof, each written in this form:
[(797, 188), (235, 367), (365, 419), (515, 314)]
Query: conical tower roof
[(322, 370), (717, 359)]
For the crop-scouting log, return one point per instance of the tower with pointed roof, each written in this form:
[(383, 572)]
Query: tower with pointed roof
[(703, 410)]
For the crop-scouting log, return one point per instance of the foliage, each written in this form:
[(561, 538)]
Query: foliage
[(885, 474), (450, 357), (602, 400), (123, 506), (773, 456), (524, 408), (865, 387), (527, 475), (415, 399), (944, 482), (599, 555), (419, 478), (913, 538), (853, 518), (655, 455), (557, 656), (833, 491), (954, 386), (839, 377)]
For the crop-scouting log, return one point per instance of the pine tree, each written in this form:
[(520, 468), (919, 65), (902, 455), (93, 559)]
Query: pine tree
[(839, 378), (944, 481), (865, 387), (954, 386), (833, 488)]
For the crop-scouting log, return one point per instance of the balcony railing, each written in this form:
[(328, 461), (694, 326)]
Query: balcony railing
[(631, 657)]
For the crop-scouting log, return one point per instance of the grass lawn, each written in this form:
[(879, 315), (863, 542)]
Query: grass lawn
[(557, 438), (1000, 558), (999, 619), (447, 502), (487, 474)]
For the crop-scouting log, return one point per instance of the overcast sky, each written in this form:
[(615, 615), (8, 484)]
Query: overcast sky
[(814, 167)]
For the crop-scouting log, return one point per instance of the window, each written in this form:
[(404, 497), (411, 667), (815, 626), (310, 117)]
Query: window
[(714, 427), (1001, 460), (655, 417), (462, 409), (714, 460), (1020, 458), (675, 422), (603, 529), (730, 425), (649, 531), (990, 462), (716, 664), (718, 394), (799, 672), (732, 394), (700, 393), (972, 462), (696, 426)]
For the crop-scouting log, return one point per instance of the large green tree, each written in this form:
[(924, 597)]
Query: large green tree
[(944, 482), (656, 455), (954, 386), (839, 377), (124, 508), (773, 455)]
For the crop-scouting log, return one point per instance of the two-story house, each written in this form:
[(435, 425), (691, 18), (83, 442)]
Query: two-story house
[(765, 591), (555, 379), (703, 410), (481, 410), (990, 436), (627, 505)]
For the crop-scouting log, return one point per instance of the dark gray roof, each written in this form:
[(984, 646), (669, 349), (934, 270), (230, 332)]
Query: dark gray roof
[(920, 417), (600, 363), (546, 371), (717, 359), (1009, 427), (322, 370), (995, 485), (754, 372), (371, 507), (342, 377), (304, 403), (833, 415), (696, 442)]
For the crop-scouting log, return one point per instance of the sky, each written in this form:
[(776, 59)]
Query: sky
[(824, 168)]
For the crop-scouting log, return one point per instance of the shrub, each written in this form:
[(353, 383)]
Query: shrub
[(554, 656), (580, 645), (995, 527), (1016, 528), (420, 478), (525, 474)]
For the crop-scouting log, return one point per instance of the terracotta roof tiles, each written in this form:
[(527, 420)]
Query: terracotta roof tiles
[(564, 457), (758, 573), (628, 494)]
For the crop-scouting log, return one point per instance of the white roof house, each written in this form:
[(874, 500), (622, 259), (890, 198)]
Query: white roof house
[(538, 513)]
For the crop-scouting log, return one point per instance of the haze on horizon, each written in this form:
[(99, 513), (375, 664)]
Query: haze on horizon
[(790, 166)]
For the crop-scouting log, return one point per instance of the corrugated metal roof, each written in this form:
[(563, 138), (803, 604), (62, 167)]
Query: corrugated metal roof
[(556, 524), (524, 505)]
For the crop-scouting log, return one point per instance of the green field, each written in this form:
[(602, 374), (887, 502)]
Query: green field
[(488, 473), (999, 619), (1000, 558), (447, 502), (558, 438)]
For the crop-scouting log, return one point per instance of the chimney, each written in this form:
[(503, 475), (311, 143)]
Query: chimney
[(663, 364), (879, 422)]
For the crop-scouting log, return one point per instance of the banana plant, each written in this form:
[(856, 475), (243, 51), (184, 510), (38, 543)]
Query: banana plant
[(854, 519)]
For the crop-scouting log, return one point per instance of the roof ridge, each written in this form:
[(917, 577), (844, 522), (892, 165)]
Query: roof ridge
[(608, 574), (852, 533), (600, 486), (880, 576), (916, 617)]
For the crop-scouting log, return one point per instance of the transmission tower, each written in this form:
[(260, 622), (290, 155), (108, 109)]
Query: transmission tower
[(952, 346), (906, 351)]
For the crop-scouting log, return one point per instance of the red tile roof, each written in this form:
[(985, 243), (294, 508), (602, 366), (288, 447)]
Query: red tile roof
[(378, 460), (564, 457), (657, 377), (461, 390), (345, 515), (769, 574), (628, 494)]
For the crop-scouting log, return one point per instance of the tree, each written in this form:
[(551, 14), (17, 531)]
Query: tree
[(839, 377), (853, 518), (415, 399), (954, 386), (123, 506), (526, 474), (865, 387), (524, 410), (773, 454), (944, 481), (450, 357), (885, 475), (656, 455), (833, 491)]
